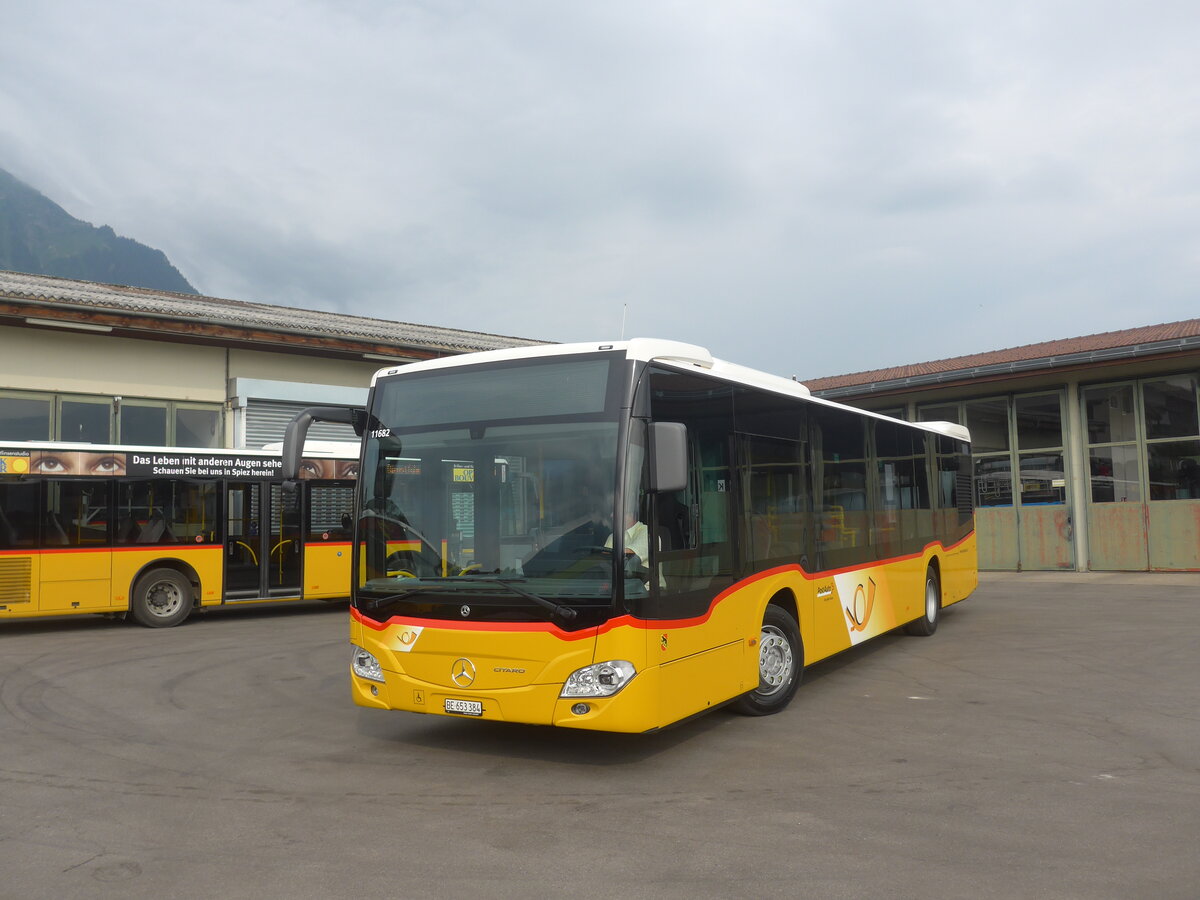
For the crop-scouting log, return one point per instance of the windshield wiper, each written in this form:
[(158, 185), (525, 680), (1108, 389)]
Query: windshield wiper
[(566, 613), (400, 595), (425, 587)]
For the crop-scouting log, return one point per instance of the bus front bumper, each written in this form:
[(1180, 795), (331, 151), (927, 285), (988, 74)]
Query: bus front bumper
[(633, 709)]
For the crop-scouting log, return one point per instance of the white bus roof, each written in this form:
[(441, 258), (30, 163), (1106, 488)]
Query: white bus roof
[(674, 353)]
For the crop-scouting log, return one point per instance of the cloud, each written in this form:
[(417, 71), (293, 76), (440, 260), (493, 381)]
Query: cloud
[(801, 187)]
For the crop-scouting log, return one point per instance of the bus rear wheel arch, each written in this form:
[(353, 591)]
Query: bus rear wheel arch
[(931, 608), (161, 597), (780, 664)]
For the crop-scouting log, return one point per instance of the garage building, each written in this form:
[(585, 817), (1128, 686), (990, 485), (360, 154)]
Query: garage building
[(106, 364), (1086, 450)]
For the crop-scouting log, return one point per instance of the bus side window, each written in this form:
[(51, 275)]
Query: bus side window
[(133, 510), (76, 514), (673, 520), (197, 520), (18, 514), (694, 525), (774, 490), (840, 499), (329, 512)]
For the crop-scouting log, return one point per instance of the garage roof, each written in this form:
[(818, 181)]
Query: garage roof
[(215, 318), (1170, 337)]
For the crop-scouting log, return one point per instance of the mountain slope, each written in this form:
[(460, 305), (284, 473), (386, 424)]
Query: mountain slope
[(39, 237)]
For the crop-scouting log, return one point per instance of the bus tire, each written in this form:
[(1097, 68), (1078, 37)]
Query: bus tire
[(780, 665), (161, 598), (928, 623)]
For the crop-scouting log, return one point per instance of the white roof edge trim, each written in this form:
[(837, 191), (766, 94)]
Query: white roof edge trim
[(746, 375), (643, 349), (489, 356), (677, 352), (949, 429), (637, 348), (647, 349)]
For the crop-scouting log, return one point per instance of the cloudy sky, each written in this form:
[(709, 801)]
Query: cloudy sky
[(812, 188)]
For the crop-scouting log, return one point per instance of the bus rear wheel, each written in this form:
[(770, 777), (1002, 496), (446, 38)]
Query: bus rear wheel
[(161, 598), (928, 623), (780, 665)]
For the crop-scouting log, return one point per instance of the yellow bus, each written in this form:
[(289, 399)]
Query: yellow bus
[(621, 536), (157, 532)]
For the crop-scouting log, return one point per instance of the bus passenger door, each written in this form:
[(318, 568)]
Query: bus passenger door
[(76, 564), (244, 540), (328, 512), (285, 542)]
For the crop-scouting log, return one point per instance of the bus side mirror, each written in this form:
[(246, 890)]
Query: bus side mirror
[(668, 457), (297, 431)]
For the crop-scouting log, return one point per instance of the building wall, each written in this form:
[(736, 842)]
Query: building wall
[(82, 363), (74, 370), (79, 362), (1096, 469), (291, 367)]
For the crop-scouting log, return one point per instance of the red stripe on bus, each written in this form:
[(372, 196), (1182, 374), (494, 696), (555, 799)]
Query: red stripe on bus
[(450, 625), (628, 621)]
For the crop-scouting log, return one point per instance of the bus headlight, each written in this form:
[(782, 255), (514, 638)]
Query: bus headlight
[(599, 680), (364, 665)]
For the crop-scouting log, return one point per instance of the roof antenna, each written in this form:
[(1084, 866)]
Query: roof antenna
[(624, 314)]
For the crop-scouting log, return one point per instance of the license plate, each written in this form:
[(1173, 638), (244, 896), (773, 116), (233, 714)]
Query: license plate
[(464, 707)]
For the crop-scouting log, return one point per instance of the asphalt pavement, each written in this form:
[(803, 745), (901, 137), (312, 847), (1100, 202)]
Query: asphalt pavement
[(1045, 742)]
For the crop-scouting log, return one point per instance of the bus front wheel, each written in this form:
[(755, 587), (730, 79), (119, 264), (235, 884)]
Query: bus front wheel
[(928, 623), (161, 598), (780, 665)]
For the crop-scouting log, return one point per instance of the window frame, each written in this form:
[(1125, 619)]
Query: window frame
[(116, 406), (1015, 452), (35, 396), (1141, 443)]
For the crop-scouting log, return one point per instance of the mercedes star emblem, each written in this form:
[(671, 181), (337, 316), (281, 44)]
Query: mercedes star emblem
[(462, 672), (465, 610)]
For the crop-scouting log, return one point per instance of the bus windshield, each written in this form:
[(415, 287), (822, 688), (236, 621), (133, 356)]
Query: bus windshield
[(508, 509)]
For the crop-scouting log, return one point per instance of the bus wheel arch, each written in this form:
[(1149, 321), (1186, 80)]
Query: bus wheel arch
[(780, 659), (931, 605), (163, 594)]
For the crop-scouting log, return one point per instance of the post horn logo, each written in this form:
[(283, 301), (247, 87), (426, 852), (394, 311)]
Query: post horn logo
[(462, 672), (859, 613)]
